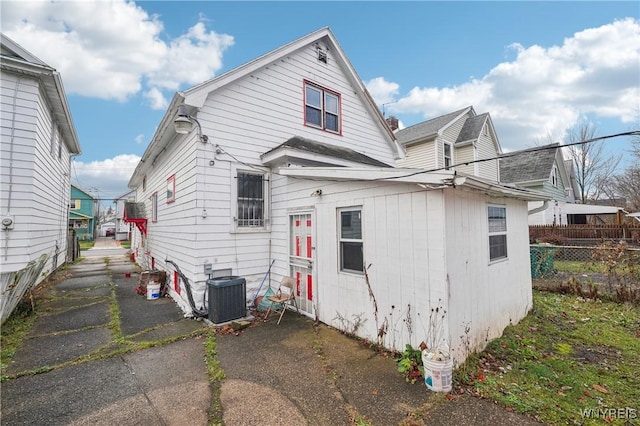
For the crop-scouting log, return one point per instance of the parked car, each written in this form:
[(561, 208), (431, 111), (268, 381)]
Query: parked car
[(110, 232)]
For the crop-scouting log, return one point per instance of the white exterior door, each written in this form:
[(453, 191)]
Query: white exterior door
[(301, 260)]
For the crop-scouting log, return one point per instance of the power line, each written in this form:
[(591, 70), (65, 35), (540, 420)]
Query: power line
[(513, 154)]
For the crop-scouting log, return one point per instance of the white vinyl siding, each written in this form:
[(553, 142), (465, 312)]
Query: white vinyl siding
[(35, 184), (486, 297), (487, 149), (403, 251), (420, 156), (465, 154)]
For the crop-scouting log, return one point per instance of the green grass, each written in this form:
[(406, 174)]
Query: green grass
[(125, 244), (84, 245), (13, 332), (567, 355), (578, 267)]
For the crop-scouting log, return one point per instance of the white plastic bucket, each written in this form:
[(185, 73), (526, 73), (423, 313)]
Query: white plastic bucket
[(153, 291), (438, 374)]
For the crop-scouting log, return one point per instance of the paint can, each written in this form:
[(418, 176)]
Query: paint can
[(153, 291), (437, 374)]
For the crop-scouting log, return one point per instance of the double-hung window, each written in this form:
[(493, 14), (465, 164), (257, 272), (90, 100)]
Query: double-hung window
[(322, 108), (350, 237), (497, 216), (447, 155), (154, 207), (250, 201)]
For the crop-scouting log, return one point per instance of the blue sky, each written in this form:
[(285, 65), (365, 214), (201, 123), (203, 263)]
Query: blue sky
[(536, 67)]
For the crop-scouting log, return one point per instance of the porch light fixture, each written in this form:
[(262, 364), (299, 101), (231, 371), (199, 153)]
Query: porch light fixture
[(184, 123)]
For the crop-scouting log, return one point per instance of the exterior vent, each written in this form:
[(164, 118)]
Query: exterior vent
[(322, 56)]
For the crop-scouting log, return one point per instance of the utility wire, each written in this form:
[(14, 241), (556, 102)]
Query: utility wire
[(515, 153)]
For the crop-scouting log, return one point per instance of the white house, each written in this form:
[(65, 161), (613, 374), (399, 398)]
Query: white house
[(37, 144), (291, 161), (460, 140), (123, 229)]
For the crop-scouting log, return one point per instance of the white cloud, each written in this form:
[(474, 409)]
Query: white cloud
[(544, 91), (156, 98), (111, 175), (112, 50), (381, 90), (139, 139)]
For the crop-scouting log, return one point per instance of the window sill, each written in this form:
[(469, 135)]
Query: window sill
[(351, 273), (502, 259), (240, 230)]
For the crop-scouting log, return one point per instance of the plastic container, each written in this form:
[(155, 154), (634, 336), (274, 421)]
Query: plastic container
[(153, 291), (437, 374)]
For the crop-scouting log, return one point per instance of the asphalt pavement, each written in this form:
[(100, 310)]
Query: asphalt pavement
[(101, 354)]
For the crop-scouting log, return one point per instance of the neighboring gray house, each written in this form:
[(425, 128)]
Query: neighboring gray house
[(542, 169), (455, 138), (37, 143)]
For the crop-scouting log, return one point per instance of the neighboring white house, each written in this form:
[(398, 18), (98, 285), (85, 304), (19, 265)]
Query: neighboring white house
[(123, 229), (37, 143), (543, 169), (461, 138), (290, 160)]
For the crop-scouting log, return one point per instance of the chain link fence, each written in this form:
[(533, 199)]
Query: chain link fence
[(607, 268)]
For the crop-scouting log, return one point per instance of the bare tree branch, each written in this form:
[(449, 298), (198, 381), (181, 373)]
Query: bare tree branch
[(594, 167)]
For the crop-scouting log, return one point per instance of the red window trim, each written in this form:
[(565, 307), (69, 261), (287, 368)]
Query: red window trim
[(176, 282), (171, 178), (306, 82)]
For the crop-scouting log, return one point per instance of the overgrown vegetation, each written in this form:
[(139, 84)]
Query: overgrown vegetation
[(570, 357), (410, 364), (85, 245), (216, 375), (611, 273), (14, 331)]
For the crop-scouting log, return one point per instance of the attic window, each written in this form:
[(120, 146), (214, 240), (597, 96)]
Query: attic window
[(322, 56), (554, 176), (322, 108)]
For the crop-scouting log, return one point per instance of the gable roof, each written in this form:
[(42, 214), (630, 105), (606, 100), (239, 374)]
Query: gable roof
[(430, 128), (472, 128), (330, 153), (196, 96), (18, 60), (534, 164)]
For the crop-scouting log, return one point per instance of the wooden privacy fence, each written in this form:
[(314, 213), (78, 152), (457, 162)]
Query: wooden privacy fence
[(587, 232)]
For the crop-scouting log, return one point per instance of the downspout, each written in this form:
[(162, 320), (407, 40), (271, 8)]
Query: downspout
[(11, 146), (544, 206)]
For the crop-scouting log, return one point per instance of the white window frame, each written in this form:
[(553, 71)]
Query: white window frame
[(553, 178), (236, 226), (444, 155), (497, 231), (154, 207), (322, 108), (343, 240)]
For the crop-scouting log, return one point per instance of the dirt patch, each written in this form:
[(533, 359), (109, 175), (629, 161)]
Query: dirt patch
[(598, 354), (562, 323)]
